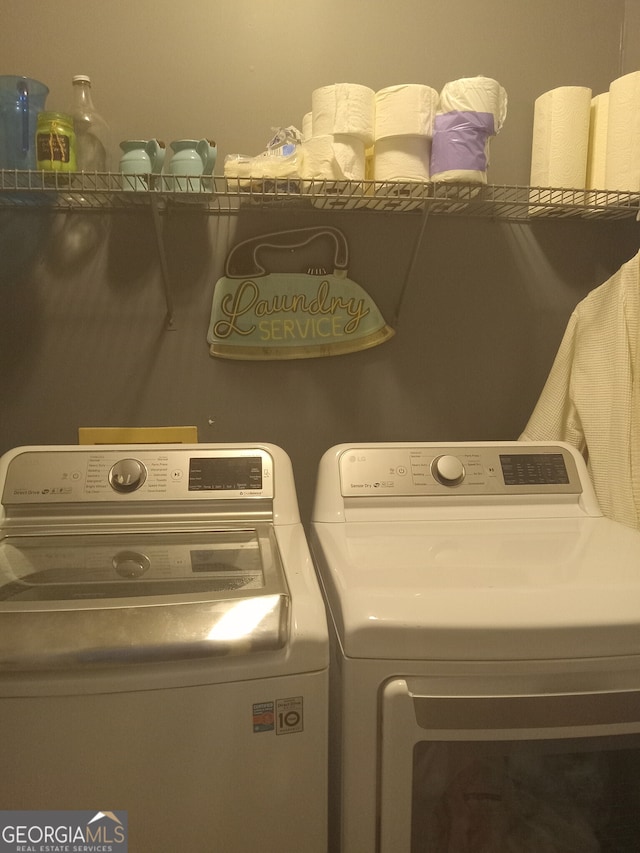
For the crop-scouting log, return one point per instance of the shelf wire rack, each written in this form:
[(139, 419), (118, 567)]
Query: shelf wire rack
[(215, 194)]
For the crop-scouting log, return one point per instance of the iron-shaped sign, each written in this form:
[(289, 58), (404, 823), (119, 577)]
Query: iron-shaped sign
[(257, 314)]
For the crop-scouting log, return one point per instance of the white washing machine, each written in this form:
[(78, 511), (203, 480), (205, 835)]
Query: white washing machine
[(485, 618), (163, 647)]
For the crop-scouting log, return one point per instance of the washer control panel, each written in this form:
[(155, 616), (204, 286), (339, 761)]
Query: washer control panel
[(140, 474), (399, 470)]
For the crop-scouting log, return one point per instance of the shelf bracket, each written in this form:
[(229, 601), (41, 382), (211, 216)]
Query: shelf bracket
[(417, 243), (164, 267)]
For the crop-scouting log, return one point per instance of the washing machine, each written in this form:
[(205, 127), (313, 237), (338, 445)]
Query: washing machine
[(163, 651), (485, 651)]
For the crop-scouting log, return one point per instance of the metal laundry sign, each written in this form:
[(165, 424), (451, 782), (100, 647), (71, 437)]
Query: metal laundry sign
[(260, 314)]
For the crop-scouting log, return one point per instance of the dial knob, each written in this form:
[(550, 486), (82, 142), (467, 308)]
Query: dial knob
[(448, 470), (130, 564), (127, 475)]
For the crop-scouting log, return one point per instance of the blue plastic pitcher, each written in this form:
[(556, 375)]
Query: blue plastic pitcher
[(21, 99)]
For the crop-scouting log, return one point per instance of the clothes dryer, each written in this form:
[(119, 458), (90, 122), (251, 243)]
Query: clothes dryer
[(163, 649), (485, 621)]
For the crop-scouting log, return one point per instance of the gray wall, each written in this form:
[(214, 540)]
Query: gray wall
[(631, 40), (82, 334)]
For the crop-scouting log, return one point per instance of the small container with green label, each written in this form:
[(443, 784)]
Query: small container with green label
[(55, 142)]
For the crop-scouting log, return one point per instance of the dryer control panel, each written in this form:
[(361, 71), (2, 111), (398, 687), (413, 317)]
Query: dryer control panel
[(421, 470)]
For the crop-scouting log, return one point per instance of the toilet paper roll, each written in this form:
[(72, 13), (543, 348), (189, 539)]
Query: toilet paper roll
[(307, 131), (406, 110), (477, 95), (622, 171), (597, 156), (470, 111), (402, 158), (460, 149), (344, 109), (333, 157), (561, 138), (319, 162)]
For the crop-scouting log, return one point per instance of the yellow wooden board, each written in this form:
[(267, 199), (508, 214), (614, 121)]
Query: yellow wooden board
[(138, 435)]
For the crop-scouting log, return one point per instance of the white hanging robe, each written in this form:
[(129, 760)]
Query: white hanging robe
[(591, 398)]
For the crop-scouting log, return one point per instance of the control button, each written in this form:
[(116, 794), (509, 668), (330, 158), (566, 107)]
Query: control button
[(130, 564), (177, 475), (127, 475), (448, 470)]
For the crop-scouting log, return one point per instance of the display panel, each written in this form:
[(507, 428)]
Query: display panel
[(225, 473), (534, 469)]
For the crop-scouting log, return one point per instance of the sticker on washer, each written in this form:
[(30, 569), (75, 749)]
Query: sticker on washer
[(263, 717), (289, 716), (285, 716)]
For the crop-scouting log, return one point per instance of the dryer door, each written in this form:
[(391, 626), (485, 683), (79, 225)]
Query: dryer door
[(519, 772)]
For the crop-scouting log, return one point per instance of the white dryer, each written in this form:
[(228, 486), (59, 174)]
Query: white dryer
[(485, 616), (163, 649)]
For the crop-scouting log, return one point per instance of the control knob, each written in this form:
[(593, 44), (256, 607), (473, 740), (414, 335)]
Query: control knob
[(127, 475), (448, 470)]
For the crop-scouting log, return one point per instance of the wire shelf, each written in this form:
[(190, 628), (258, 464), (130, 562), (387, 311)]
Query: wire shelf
[(218, 195)]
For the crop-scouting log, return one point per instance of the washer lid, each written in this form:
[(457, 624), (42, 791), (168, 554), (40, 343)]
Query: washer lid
[(482, 590), (70, 600)]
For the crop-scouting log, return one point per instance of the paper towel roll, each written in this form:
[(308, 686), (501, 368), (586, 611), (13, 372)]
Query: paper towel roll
[(402, 158), (622, 171), (344, 109), (333, 157), (596, 158), (406, 110), (470, 111), (561, 138), (307, 126)]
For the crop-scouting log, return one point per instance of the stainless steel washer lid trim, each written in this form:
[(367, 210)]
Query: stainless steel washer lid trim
[(134, 635), (78, 632)]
